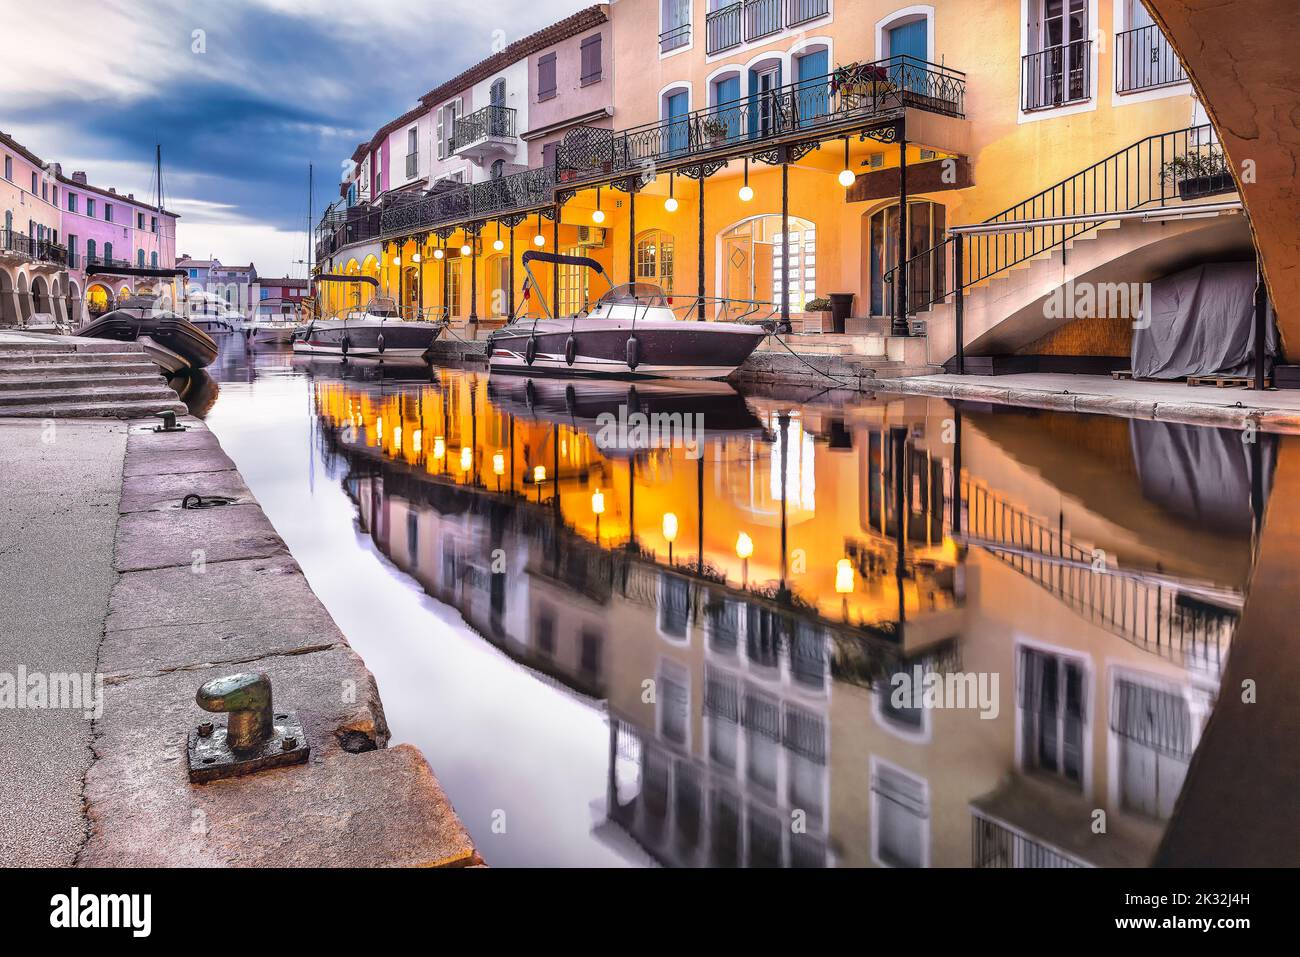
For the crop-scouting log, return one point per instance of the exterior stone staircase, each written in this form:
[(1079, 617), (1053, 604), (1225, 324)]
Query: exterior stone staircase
[(44, 376)]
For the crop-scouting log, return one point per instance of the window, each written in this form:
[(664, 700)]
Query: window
[(108, 212), (72, 244), (413, 538), (45, 190), (761, 718), (574, 285), (804, 735), (674, 606), (9, 221), (90, 206), (9, 168), (900, 811), (72, 202), (1056, 71), (1053, 711), (589, 655), (194, 274), (591, 71), (654, 259), (54, 195), (446, 127), (673, 703), (153, 224), (546, 76), (139, 220), (926, 228), (153, 260), (1154, 728), (674, 24), (90, 249), (139, 258), (550, 153), (497, 169), (722, 709)]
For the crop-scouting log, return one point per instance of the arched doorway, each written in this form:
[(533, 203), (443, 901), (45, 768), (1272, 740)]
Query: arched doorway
[(498, 290), (926, 225), (369, 267), (124, 294), (75, 313), (411, 288), (41, 302), (655, 255), (98, 299), (9, 311), (752, 267)]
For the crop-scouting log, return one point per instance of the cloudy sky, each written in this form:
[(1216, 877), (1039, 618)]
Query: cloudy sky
[(242, 107)]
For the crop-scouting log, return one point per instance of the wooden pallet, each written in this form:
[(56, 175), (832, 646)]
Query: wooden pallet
[(1122, 374), (1224, 381)]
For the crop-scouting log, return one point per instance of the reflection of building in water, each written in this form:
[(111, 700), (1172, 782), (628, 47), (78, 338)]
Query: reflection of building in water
[(752, 719)]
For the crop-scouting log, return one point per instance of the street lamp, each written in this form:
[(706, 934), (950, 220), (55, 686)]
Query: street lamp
[(744, 548), (598, 509), (670, 533), (844, 583)]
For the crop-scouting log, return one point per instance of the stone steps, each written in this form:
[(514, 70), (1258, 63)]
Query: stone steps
[(73, 378)]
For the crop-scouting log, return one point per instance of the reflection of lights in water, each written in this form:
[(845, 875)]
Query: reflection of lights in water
[(417, 440), (439, 447), (539, 473), (800, 470), (466, 458), (598, 502), (397, 436), (744, 545), (844, 576), (379, 427), (670, 527), (499, 463)]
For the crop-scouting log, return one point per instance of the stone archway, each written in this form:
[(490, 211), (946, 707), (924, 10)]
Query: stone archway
[(24, 299), (42, 302), (9, 310), (76, 310), (1246, 73), (99, 299)]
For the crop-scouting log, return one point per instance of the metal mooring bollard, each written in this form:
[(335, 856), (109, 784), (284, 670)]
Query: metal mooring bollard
[(256, 737), (168, 422)]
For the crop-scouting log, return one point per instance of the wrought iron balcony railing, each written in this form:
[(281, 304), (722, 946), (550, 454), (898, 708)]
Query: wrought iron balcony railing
[(674, 37), (489, 122), (993, 845), (515, 193), (43, 250), (1056, 76), (807, 107), (747, 20), (106, 263), (802, 11), (1144, 60), (722, 28)]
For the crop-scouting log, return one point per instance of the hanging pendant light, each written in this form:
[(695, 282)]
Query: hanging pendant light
[(498, 244), (670, 203), (539, 239), (746, 191), (847, 176), (598, 216)]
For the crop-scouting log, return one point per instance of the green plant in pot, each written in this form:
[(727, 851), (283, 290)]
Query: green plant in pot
[(1198, 174)]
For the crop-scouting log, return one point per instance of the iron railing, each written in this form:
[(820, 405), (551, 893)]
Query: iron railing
[(722, 28), (674, 37), (491, 121), (1056, 76), (762, 18), (1152, 613), (1179, 165), (105, 262), (802, 11), (518, 192), (801, 108), (44, 250), (993, 845), (1144, 60)]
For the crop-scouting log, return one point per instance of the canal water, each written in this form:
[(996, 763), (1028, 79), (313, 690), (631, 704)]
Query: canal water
[(785, 627)]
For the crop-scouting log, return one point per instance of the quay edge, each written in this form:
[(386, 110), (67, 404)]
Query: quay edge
[(210, 592)]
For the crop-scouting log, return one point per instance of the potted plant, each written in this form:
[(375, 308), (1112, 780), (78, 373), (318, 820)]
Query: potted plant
[(1198, 174), (817, 315), (714, 131)]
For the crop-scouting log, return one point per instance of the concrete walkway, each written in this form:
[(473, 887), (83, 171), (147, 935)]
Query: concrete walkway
[(102, 571), (59, 488), (1271, 411)]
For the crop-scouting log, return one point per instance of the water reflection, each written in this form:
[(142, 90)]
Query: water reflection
[(744, 613)]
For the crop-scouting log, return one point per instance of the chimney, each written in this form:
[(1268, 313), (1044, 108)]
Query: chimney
[(79, 177), (113, 190), (130, 195)]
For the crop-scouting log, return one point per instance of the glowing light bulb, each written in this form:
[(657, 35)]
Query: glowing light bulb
[(539, 474), (397, 260), (844, 576), (415, 257), (746, 193), (670, 204), (465, 250), (847, 177), (670, 527), (598, 216), (539, 240), (598, 502), (498, 245), (744, 546), (437, 254)]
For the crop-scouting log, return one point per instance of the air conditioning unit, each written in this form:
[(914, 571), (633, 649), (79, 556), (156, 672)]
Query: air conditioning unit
[(593, 237)]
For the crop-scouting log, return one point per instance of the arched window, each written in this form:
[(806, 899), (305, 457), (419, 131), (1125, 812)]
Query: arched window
[(139, 258), (498, 168), (153, 259), (90, 250), (108, 252), (752, 266), (926, 224), (654, 258)]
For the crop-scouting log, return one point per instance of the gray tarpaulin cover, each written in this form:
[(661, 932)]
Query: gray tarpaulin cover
[(1202, 323)]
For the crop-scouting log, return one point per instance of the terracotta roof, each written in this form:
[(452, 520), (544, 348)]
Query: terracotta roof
[(21, 150), (585, 19)]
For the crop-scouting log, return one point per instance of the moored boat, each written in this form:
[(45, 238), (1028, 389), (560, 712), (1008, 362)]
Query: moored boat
[(630, 332), (171, 341), (376, 331)]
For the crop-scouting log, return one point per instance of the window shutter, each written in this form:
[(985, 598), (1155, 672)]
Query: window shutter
[(591, 59), (546, 77)]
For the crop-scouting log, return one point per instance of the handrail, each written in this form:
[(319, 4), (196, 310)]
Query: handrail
[(1177, 165)]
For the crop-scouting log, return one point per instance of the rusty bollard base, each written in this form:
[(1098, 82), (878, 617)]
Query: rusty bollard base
[(211, 758)]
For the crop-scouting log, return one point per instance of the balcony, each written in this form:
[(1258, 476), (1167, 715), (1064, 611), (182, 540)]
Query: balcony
[(1144, 60), (102, 264), (1056, 76), (747, 21), (16, 247), (816, 107), (519, 192), (485, 134), (674, 37), (994, 845)]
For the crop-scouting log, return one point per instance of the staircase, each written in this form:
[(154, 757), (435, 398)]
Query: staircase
[(66, 377), (1007, 276)]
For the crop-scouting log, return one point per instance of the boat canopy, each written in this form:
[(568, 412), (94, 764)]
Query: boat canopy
[(144, 271), (541, 256), (634, 294), (344, 277)]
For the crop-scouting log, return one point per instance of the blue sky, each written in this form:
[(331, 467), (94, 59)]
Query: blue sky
[(240, 109)]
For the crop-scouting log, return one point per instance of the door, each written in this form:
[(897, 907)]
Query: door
[(675, 109), (497, 100), (814, 86), (908, 52), (1061, 68), (764, 111)]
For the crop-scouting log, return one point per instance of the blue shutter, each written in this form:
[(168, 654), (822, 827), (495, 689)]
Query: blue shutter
[(678, 129), (726, 93), (814, 86), (911, 41)]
